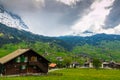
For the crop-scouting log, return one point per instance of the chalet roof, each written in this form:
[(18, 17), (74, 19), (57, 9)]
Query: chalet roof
[(14, 55)]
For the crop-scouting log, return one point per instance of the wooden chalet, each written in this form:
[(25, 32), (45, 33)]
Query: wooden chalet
[(23, 61)]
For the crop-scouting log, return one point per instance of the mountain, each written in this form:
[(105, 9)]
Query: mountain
[(10, 19), (92, 40), (13, 35), (101, 46)]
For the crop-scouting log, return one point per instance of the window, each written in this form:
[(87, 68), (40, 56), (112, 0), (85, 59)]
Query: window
[(26, 59), (22, 58), (33, 59), (23, 67), (34, 67), (18, 59)]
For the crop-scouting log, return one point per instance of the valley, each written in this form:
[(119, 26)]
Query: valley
[(102, 46)]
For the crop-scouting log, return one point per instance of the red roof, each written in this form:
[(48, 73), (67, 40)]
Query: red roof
[(52, 65)]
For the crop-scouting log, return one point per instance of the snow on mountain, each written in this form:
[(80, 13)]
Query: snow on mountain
[(11, 19)]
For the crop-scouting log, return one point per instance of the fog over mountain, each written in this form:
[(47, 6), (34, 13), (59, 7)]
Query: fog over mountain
[(65, 17)]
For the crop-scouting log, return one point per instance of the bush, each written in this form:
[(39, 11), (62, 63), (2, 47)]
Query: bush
[(96, 63)]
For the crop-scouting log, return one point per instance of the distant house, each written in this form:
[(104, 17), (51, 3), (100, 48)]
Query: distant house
[(75, 65), (114, 65), (88, 65), (23, 61), (117, 66), (59, 58), (111, 65), (105, 65), (52, 65)]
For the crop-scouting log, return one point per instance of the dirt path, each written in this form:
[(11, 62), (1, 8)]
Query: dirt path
[(54, 70)]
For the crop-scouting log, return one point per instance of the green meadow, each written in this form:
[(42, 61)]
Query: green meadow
[(73, 74)]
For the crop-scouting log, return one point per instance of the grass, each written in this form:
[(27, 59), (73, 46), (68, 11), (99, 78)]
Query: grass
[(73, 74)]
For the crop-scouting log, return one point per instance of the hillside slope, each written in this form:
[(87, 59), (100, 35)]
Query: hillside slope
[(103, 46)]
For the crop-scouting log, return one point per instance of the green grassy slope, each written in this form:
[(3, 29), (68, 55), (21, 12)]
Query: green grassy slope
[(45, 49)]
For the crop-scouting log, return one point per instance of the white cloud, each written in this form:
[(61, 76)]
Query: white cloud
[(68, 2), (22, 5), (115, 30), (39, 3), (95, 19), (51, 20)]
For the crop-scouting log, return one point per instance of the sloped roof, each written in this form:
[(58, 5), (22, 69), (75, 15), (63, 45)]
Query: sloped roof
[(12, 55), (52, 65)]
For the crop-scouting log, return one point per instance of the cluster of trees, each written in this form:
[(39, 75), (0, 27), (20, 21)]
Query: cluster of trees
[(97, 63)]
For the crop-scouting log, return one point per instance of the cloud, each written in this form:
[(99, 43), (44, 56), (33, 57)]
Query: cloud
[(60, 17), (115, 30), (69, 2), (94, 20), (48, 17), (22, 5), (112, 19), (76, 12)]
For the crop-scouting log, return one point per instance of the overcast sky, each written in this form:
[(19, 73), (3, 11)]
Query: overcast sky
[(63, 17)]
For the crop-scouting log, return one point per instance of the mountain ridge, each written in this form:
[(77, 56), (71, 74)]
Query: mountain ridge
[(93, 40), (101, 46), (13, 35), (69, 41)]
